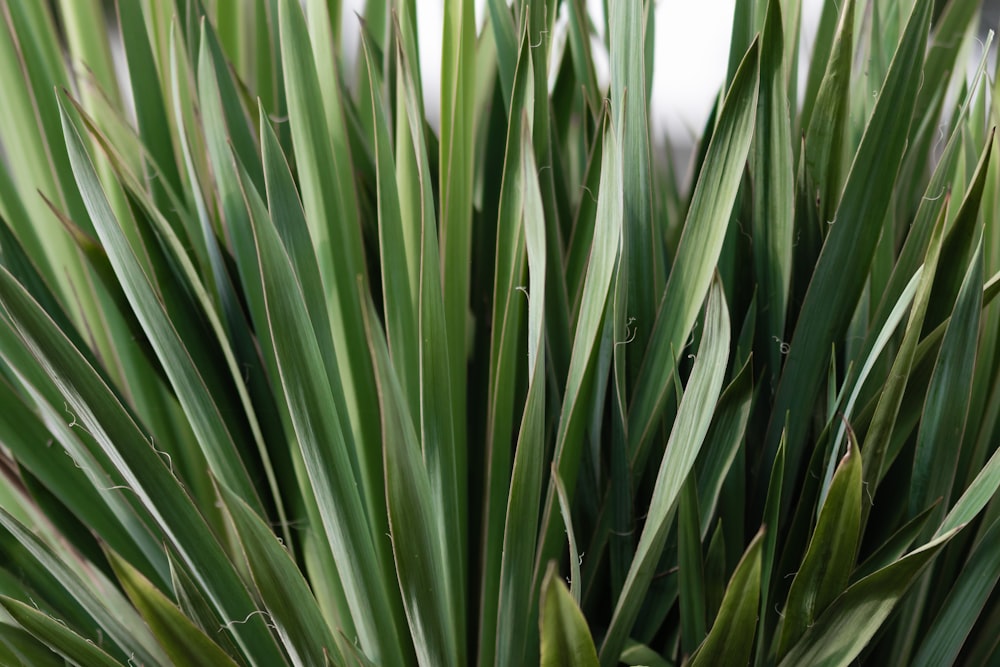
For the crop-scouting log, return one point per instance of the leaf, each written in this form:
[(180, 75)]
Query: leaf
[(627, 22), (193, 390), (843, 265), (878, 438), (686, 438), (57, 636), (691, 567), (291, 607), (154, 128), (455, 176), (506, 350), (947, 403), (18, 648), (440, 421), (94, 599), (879, 344), (894, 547), (602, 271), (773, 191), (700, 245), (565, 637), (329, 202), (181, 639), (830, 556), (324, 440), (846, 627), (973, 586), (416, 528), (145, 473), (730, 641), (723, 441), (769, 556), (521, 525)]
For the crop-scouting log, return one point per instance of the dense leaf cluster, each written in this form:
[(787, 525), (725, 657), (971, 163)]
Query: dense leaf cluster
[(289, 377)]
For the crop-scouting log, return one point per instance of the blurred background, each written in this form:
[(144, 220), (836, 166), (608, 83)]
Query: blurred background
[(692, 51)]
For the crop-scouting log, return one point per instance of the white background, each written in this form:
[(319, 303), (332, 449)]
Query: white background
[(692, 51)]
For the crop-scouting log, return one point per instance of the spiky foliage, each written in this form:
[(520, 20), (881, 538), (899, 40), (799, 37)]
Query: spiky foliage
[(288, 377)]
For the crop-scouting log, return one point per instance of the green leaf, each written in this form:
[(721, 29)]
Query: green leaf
[(894, 547), (455, 176), (773, 191), (890, 399), (565, 637), (97, 600), (830, 557), (947, 403), (846, 627), (769, 555), (969, 593), (154, 128), (57, 636), (730, 641), (19, 648), (627, 23), (291, 607), (602, 271), (416, 528), (825, 120), (194, 391), (329, 200), (324, 441), (521, 525), (688, 433), (700, 245), (843, 265), (440, 419), (691, 567), (506, 350), (724, 439), (144, 472), (181, 639), (877, 347)]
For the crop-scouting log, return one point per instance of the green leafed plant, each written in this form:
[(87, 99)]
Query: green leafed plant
[(291, 375)]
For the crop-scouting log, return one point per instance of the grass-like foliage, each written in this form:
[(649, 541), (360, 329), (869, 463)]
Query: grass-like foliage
[(289, 377)]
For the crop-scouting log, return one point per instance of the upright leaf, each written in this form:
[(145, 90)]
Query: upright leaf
[(686, 437), (730, 640), (565, 637), (843, 265)]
